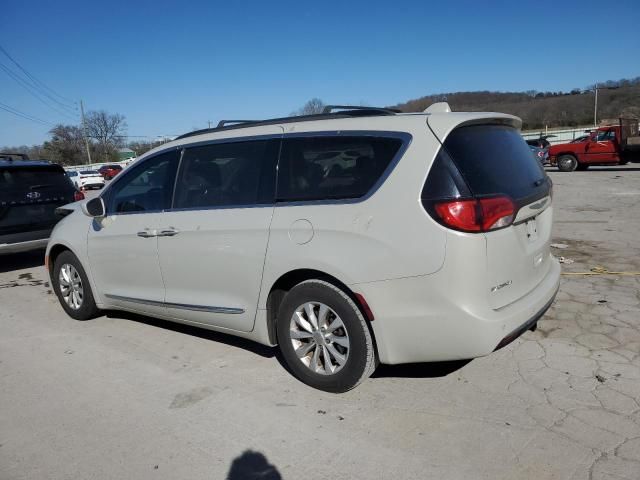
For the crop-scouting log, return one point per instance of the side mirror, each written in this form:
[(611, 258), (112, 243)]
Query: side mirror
[(94, 208)]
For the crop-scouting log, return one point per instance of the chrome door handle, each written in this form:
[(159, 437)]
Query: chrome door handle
[(168, 232), (147, 233)]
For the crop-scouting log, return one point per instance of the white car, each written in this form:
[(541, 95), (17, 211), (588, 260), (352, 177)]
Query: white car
[(86, 179), (350, 238)]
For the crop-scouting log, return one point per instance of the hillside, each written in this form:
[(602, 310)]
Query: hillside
[(538, 109)]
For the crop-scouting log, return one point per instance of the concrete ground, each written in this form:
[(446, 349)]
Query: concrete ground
[(131, 397)]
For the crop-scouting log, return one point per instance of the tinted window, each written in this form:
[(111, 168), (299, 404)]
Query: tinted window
[(44, 178), (322, 168), (226, 174), (29, 195), (495, 159), (145, 187)]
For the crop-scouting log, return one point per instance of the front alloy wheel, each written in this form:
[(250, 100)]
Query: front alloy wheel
[(71, 289)]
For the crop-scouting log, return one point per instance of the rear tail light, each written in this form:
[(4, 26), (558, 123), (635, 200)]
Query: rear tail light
[(77, 196), (476, 215)]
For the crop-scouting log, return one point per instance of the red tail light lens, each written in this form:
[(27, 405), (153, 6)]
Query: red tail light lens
[(77, 196), (459, 214), (481, 215)]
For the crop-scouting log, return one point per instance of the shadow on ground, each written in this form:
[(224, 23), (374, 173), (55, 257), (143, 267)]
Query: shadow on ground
[(419, 370), (19, 261), (252, 466), (409, 370), (258, 349)]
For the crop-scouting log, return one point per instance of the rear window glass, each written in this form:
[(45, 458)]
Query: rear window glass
[(326, 168), (494, 159), (33, 178)]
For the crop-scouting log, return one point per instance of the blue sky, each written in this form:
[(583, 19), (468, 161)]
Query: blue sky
[(172, 66)]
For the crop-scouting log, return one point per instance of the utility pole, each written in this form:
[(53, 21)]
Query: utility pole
[(84, 131), (209, 122), (595, 109)]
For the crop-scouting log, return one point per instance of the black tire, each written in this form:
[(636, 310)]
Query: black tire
[(87, 308), (567, 163), (582, 167), (361, 358)]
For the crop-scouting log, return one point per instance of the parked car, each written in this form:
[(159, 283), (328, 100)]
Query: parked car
[(109, 171), (608, 145), (86, 179), (30, 192), (540, 142), (305, 232), (540, 154)]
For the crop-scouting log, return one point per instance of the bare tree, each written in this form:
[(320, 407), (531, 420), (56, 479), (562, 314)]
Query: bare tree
[(107, 130), (66, 145), (313, 106)]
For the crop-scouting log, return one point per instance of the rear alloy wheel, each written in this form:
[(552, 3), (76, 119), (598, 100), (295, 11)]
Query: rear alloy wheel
[(72, 287), (323, 337), (567, 163)]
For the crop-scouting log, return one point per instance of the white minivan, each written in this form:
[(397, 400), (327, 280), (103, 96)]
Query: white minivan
[(349, 238)]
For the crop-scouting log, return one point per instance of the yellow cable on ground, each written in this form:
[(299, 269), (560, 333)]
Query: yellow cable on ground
[(598, 270)]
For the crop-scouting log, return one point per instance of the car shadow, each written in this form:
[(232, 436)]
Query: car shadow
[(227, 339), (419, 370), (19, 261), (407, 370)]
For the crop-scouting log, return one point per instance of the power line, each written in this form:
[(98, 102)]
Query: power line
[(18, 113), (30, 89), (34, 79)]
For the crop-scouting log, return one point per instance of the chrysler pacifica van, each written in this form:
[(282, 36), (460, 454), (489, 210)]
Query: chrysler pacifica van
[(350, 238)]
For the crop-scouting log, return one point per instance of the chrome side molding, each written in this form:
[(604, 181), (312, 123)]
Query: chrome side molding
[(180, 306)]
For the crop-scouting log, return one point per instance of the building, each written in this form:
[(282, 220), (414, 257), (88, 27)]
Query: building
[(125, 154)]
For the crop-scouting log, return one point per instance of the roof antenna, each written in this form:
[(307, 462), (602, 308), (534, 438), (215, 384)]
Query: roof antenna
[(438, 107)]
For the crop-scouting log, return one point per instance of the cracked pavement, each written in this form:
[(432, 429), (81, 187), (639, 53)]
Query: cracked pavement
[(124, 396)]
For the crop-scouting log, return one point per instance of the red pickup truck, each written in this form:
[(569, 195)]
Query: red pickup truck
[(611, 145)]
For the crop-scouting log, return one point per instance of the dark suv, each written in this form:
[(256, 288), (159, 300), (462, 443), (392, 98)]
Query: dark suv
[(30, 192)]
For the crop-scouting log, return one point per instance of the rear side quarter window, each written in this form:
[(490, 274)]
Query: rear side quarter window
[(333, 167)]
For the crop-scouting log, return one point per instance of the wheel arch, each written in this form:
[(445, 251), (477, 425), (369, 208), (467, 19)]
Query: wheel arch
[(54, 252), (294, 277), (570, 153)]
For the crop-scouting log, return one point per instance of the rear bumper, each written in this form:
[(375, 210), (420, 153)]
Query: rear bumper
[(93, 183), (423, 319)]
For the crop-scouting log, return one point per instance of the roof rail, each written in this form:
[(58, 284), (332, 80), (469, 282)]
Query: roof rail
[(360, 110), (9, 156), (344, 111), (224, 123)]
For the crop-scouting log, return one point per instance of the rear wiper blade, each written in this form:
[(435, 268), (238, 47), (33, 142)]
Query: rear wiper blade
[(539, 182), (44, 185)]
